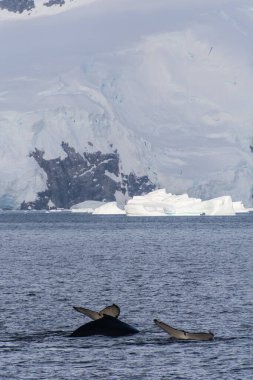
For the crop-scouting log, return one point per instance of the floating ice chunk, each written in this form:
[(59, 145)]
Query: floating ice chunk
[(151, 204), (109, 208), (192, 207), (218, 206), (159, 203), (145, 209), (239, 208), (87, 206)]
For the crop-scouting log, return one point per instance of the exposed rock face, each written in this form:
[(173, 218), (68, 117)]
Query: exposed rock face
[(49, 3), (80, 177), (17, 6)]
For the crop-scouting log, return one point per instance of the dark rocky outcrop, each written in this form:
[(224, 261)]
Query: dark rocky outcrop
[(17, 6), (138, 185), (49, 3), (80, 177)]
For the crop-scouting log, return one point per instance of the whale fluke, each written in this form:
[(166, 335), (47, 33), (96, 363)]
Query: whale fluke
[(112, 310), (107, 325), (89, 313), (184, 335)]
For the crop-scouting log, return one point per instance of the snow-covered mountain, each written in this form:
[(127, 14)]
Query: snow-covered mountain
[(166, 84)]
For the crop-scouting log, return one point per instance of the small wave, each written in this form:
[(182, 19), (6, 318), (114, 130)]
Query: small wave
[(231, 338), (37, 336)]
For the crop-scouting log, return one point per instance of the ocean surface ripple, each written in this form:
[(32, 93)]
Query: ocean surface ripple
[(194, 273)]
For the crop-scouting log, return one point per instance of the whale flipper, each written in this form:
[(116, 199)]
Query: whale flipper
[(107, 325), (184, 335), (112, 310)]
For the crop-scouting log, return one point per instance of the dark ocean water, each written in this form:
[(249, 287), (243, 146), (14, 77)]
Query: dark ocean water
[(194, 273)]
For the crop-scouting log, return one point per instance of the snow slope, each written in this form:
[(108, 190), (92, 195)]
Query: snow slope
[(167, 83)]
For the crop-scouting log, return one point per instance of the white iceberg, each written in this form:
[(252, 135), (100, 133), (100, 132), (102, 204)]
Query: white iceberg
[(110, 208), (87, 206), (160, 203), (239, 208)]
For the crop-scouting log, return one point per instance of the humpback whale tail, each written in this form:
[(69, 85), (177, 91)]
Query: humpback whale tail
[(107, 325), (112, 310), (184, 335), (104, 322)]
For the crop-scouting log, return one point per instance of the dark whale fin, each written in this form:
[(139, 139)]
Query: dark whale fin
[(107, 325), (184, 335), (112, 310)]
